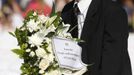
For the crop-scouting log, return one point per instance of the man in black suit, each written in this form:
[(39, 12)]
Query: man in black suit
[(103, 25)]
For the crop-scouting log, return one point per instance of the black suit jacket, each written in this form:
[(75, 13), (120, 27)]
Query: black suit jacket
[(105, 33)]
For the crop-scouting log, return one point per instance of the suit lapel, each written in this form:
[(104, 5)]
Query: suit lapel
[(90, 21)]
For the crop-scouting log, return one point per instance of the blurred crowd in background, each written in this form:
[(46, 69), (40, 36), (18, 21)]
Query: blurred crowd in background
[(129, 7), (12, 12)]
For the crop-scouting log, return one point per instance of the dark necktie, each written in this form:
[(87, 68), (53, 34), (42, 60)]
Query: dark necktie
[(75, 21)]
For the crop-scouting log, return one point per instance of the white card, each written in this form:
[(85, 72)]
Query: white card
[(68, 53)]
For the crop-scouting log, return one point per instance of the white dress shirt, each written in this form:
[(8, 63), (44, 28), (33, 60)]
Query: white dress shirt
[(83, 6)]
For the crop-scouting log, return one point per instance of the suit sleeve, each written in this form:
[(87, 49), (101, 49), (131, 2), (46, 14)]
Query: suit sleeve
[(115, 41)]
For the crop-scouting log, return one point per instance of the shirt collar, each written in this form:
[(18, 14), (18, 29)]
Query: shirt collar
[(83, 5)]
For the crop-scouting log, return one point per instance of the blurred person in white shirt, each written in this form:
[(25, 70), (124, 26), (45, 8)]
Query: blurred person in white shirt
[(60, 4), (24, 3), (49, 2)]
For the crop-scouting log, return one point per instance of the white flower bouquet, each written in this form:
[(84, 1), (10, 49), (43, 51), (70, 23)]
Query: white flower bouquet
[(35, 41)]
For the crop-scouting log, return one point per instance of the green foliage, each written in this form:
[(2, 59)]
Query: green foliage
[(12, 34), (24, 46), (19, 52), (57, 21), (51, 34), (21, 36), (31, 15), (44, 46), (27, 69), (78, 40)]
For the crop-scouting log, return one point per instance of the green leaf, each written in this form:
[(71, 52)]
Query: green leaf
[(57, 21), (19, 52), (78, 40), (53, 13), (59, 27), (31, 16), (44, 46), (30, 13), (51, 34), (12, 34)]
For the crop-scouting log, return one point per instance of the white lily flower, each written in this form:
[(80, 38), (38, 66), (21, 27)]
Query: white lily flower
[(40, 52), (51, 28), (43, 18), (68, 35), (47, 40), (32, 25), (45, 30), (36, 39), (41, 71), (66, 71), (44, 64), (64, 32), (53, 72), (50, 57), (65, 35), (69, 72), (67, 26), (50, 20)]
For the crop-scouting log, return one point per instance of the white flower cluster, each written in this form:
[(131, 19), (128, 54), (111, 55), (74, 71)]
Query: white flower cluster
[(40, 28)]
